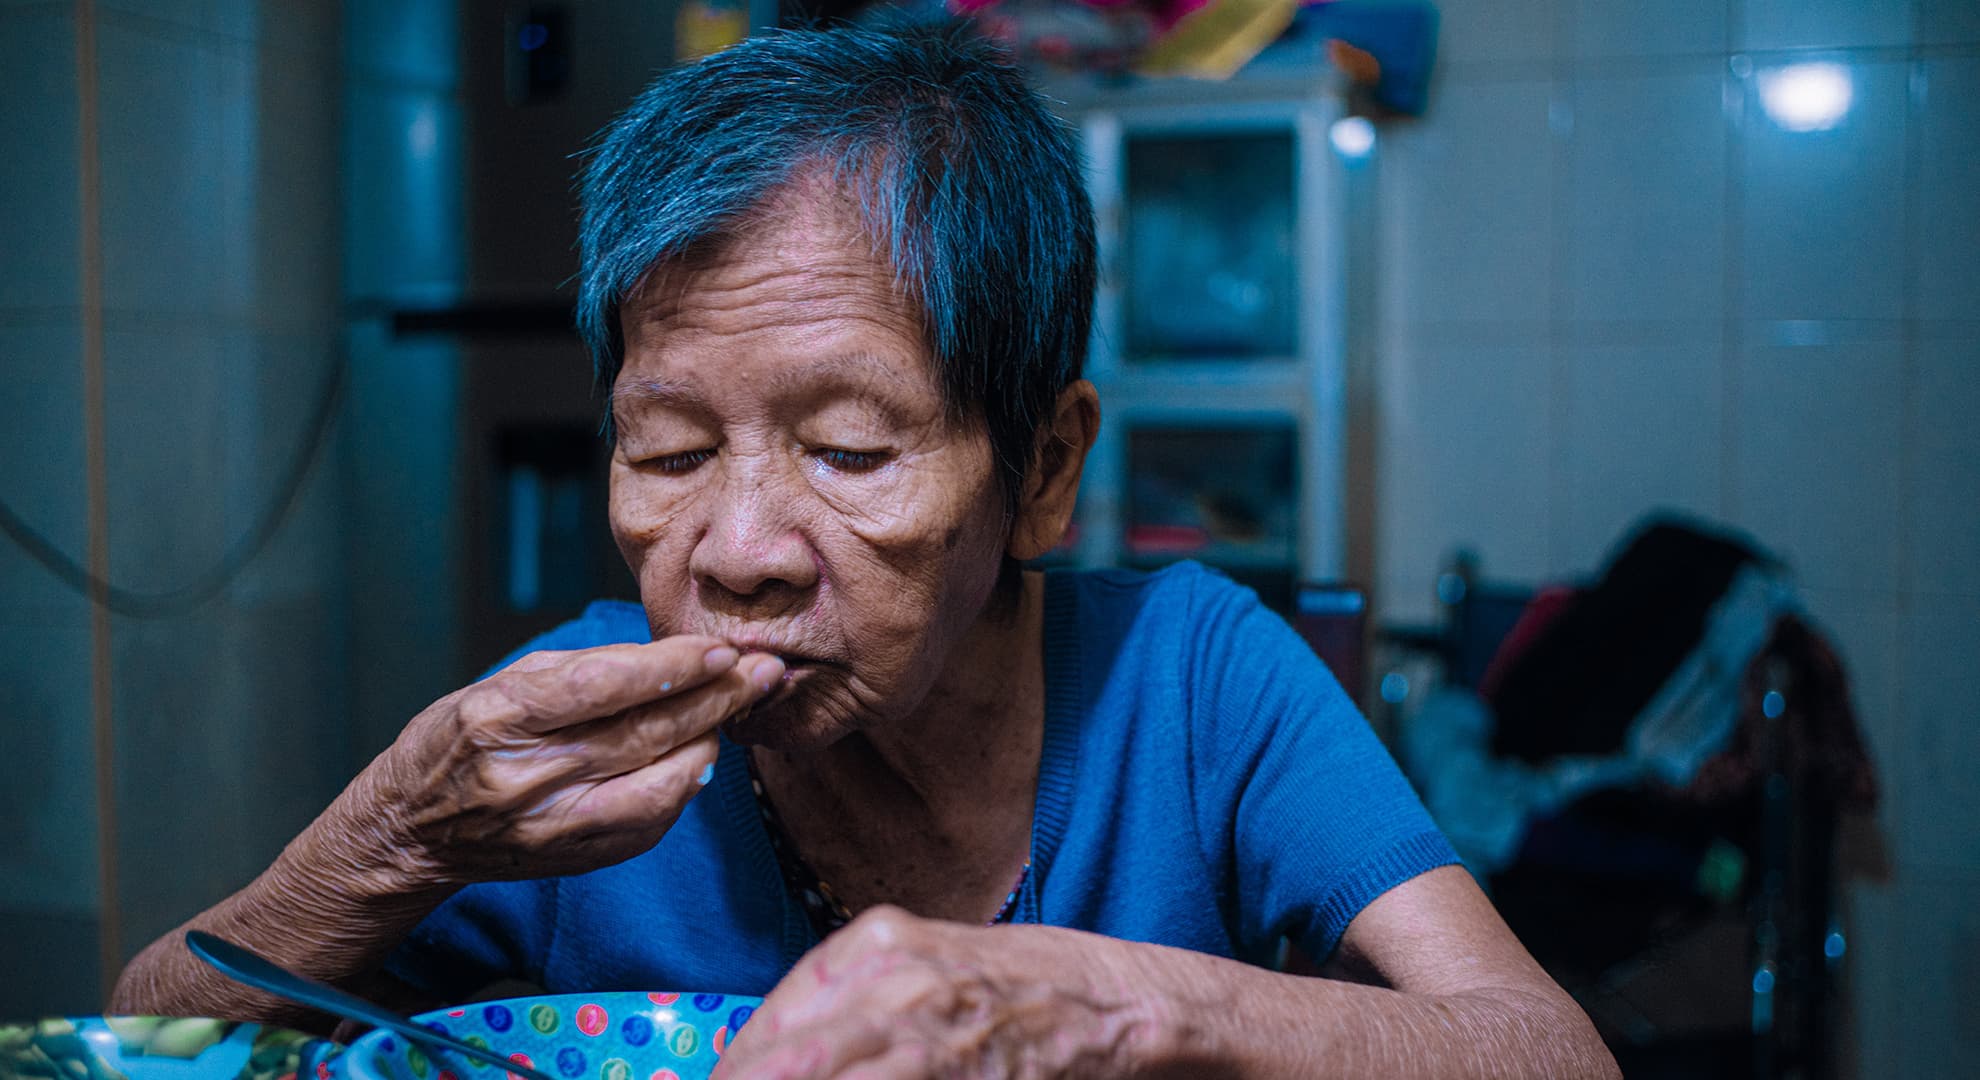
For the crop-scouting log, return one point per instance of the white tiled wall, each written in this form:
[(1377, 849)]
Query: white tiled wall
[(1610, 283), (1658, 253), (1641, 427), (220, 255), (1946, 232)]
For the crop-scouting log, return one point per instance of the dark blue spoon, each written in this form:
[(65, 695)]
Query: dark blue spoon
[(245, 966)]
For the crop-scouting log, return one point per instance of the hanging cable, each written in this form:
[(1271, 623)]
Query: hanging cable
[(185, 598)]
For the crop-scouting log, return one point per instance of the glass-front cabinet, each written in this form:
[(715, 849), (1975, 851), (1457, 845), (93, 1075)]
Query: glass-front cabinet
[(1218, 344)]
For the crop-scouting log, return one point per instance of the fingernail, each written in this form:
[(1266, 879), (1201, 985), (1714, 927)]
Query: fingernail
[(707, 774), (767, 671), (720, 658)]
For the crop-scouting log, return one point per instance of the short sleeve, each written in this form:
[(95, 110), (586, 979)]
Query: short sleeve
[(1297, 800)]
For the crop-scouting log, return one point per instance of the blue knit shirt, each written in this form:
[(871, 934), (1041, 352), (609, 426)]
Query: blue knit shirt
[(1204, 783)]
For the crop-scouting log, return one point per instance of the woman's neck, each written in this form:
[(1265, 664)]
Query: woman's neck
[(948, 789)]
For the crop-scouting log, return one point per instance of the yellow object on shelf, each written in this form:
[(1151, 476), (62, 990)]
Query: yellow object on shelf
[(1217, 39), (704, 27)]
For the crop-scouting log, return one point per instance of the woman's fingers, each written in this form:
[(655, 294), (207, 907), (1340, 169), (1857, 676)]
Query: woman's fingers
[(564, 762), (593, 683), (640, 735), (629, 801)]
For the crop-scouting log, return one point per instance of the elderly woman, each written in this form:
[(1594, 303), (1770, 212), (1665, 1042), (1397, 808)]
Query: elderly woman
[(839, 285)]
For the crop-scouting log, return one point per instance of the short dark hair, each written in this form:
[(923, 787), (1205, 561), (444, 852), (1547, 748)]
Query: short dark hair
[(961, 171)]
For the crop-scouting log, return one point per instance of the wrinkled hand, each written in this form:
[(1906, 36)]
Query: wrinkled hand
[(894, 997), (560, 763)]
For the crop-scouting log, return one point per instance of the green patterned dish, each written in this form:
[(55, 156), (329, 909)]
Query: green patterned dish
[(159, 1048)]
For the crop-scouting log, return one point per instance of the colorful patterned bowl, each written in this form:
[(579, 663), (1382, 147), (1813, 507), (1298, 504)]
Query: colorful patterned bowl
[(158, 1048), (605, 1036)]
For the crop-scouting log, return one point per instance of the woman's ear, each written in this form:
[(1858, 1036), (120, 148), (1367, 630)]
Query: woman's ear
[(1051, 487)]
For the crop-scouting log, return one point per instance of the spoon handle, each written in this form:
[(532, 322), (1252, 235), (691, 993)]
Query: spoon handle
[(246, 966)]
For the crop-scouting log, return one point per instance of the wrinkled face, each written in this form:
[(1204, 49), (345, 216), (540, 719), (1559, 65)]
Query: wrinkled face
[(786, 475)]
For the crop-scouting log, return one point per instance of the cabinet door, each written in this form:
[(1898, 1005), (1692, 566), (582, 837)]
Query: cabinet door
[(1209, 247)]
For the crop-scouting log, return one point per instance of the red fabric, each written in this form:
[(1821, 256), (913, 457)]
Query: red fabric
[(1546, 606)]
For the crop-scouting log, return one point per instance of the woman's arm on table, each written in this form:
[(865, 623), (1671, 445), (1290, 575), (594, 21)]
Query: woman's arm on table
[(561, 763), (893, 996)]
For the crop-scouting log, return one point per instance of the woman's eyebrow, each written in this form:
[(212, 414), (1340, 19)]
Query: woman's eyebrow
[(665, 393), (860, 375)]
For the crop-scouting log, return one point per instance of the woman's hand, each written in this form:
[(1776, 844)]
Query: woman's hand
[(562, 762), (895, 996)]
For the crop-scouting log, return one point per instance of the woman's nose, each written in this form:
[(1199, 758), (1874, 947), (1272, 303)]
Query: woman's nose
[(752, 549)]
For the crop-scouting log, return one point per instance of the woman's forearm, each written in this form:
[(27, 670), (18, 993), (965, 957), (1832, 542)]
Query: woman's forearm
[(335, 902), (1217, 1017)]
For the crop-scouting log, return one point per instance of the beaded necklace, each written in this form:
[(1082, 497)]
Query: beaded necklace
[(822, 906)]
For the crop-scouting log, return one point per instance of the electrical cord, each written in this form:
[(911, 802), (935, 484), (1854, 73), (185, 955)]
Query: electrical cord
[(185, 598)]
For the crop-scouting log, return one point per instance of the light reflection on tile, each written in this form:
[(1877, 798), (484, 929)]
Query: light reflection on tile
[(1823, 224)]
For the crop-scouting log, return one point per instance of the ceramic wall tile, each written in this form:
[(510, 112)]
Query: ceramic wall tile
[(39, 226), (181, 803), (1944, 538), (233, 20), (1644, 433), (1463, 462), (1823, 24), (293, 747), (41, 458), (57, 950), (48, 864), (1466, 208), (1816, 473), (178, 153), (1495, 31), (1646, 185), (1947, 219), (1946, 22), (296, 244), (1602, 28), (165, 397), (1874, 975), (1941, 1004), (1823, 211), (1940, 820), (279, 385)]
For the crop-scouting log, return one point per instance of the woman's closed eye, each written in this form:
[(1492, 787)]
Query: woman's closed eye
[(678, 462), (851, 461)]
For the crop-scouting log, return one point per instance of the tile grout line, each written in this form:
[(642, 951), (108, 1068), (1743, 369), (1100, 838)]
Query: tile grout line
[(1733, 104), (1563, 102), (1917, 97), (95, 463)]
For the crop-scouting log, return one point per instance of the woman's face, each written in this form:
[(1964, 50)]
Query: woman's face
[(787, 476)]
